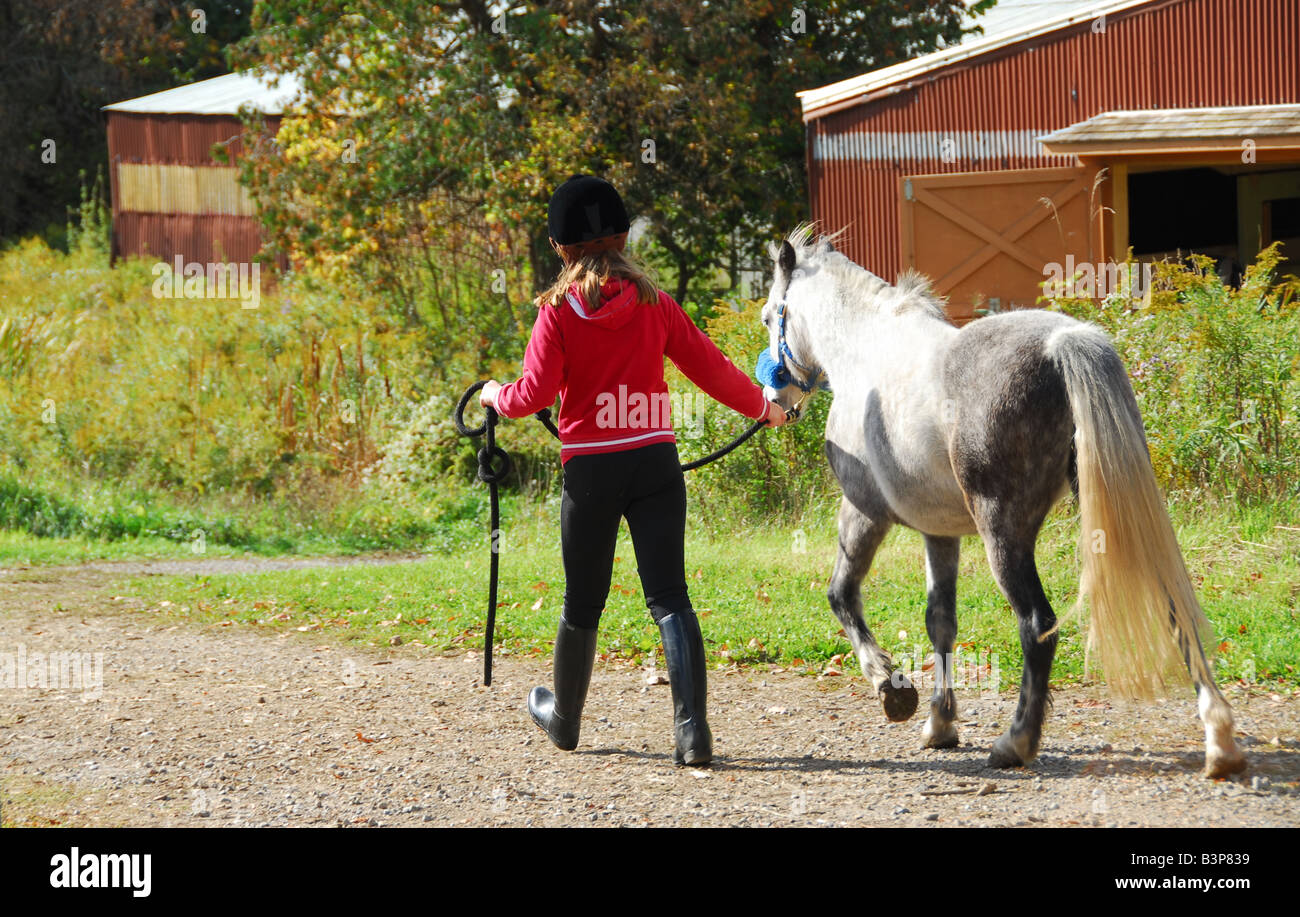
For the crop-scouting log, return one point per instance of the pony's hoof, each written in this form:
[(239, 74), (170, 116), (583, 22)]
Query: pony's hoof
[(899, 702), (944, 736), (1010, 751), (1224, 763)]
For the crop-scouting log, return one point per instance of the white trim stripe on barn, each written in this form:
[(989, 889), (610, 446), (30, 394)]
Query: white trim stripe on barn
[(891, 146)]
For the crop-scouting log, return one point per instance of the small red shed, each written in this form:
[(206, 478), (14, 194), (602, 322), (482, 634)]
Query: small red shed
[(169, 196)]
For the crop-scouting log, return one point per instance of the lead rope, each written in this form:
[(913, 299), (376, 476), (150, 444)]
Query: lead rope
[(494, 464)]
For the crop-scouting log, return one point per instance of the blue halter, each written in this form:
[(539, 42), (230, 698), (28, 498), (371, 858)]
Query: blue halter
[(776, 374)]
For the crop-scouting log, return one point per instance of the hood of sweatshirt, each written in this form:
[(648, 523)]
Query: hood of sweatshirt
[(618, 302)]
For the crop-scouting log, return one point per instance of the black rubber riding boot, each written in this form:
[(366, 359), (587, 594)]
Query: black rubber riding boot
[(684, 653), (559, 714)]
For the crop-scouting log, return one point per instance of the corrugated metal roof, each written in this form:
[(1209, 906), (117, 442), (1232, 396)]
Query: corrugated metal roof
[(1017, 22), (1013, 15), (1182, 124), (222, 95)]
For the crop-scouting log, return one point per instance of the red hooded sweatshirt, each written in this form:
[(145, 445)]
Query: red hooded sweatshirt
[(607, 366)]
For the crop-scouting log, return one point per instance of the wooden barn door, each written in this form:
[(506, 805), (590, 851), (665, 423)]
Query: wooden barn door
[(986, 239)]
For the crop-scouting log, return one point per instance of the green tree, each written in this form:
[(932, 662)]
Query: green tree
[(61, 61), (466, 115)]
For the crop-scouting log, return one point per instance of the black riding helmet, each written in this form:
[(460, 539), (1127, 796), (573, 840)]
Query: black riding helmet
[(585, 208)]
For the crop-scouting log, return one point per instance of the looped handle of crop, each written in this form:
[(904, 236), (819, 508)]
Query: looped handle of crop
[(459, 416)]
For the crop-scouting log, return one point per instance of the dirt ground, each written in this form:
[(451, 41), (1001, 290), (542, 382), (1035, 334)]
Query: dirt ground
[(223, 726)]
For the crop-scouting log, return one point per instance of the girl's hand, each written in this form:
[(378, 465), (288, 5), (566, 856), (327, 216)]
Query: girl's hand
[(487, 395), (776, 415)]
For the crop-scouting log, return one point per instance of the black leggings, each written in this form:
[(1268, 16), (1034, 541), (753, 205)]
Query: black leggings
[(646, 487)]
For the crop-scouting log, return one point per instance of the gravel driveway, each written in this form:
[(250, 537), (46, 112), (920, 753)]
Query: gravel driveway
[(220, 725)]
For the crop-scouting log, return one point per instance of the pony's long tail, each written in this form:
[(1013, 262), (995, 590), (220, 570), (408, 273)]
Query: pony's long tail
[(1146, 623)]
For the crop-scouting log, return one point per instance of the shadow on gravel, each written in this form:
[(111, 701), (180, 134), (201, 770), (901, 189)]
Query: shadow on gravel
[(969, 764), (966, 766), (1281, 765), (624, 753)]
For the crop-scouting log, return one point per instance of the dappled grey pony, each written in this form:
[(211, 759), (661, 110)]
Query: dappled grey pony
[(981, 430)]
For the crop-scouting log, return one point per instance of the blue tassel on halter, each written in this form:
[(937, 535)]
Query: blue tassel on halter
[(769, 372)]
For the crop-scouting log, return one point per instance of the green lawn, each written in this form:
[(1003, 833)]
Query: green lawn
[(18, 547), (762, 600)]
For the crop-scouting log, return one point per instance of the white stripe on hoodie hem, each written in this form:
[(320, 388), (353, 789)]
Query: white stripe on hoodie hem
[(620, 442)]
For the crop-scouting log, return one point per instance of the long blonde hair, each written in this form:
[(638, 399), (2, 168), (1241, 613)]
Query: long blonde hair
[(593, 271)]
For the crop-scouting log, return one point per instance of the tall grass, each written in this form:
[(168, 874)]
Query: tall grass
[(311, 422), (320, 421), (1217, 373), (98, 374)]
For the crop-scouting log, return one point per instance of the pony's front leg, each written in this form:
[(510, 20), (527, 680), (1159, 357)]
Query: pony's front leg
[(941, 555), (859, 538)]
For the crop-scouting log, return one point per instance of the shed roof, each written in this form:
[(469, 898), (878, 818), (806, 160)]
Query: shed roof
[(1182, 124), (1165, 129), (1008, 23), (222, 95)]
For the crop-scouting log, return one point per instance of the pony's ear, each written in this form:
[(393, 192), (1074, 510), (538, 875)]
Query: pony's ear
[(785, 258)]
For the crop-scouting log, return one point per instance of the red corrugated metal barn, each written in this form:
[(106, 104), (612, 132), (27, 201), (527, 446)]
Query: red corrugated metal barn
[(170, 196), (1080, 131)]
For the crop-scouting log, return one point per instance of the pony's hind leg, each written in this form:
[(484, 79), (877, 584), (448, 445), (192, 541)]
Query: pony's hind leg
[(1222, 756), (1014, 569), (859, 538), (941, 555)]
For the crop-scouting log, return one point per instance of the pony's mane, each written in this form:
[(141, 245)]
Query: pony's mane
[(912, 292)]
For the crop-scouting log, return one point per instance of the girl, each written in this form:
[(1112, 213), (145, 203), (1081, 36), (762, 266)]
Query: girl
[(601, 335)]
